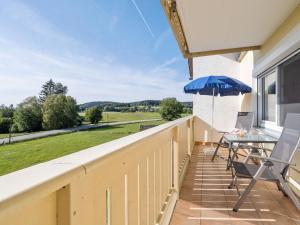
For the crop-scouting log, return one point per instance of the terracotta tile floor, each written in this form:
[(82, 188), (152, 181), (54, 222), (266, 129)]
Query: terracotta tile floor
[(205, 199)]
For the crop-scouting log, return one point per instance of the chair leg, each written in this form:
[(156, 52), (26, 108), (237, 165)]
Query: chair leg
[(244, 195), (217, 149), (289, 192), (233, 182), (280, 188), (229, 160), (237, 187)]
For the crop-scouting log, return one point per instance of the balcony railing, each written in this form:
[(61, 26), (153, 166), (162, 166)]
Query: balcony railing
[(134, 180)]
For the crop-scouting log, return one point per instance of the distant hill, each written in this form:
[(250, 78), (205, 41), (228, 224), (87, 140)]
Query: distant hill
[(145, 103)]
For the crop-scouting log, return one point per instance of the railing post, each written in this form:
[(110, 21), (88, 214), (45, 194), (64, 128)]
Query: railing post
[(192, 128), (189, 135), (175, 159)]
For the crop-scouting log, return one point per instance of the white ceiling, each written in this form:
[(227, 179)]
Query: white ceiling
[(224, 24)]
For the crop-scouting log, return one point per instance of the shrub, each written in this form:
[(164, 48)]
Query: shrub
[(59, 111), (170, 109), (94, 114), (80, 120), (28, 115)]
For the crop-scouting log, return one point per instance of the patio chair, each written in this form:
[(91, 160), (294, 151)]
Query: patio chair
[(244, 121), (273, 168)]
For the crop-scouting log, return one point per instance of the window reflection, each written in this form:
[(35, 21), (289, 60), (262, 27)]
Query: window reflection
[(269, 97)]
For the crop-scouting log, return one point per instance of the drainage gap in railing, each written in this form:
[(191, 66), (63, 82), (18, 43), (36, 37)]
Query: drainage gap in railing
[(108, 207), (148, 192), (172, 162), (138, 195), (126, 199)]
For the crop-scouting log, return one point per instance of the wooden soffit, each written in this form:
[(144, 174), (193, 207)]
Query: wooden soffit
[(213, 27)]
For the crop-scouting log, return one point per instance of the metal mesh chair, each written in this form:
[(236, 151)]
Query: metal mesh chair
[(273, 168), (244, 121)]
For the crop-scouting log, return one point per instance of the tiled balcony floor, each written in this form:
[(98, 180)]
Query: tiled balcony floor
[(205, 199)]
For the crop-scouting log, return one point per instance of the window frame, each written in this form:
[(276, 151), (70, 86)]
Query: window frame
[(260, 95), (261, 80)]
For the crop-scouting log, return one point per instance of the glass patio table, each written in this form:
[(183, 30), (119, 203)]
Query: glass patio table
[(234, 140)]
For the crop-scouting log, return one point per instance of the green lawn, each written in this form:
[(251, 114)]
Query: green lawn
[(24, 154), (113, 117)]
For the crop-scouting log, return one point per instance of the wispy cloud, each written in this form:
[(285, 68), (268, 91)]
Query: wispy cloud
[(23, 68), (162, 38), (30, 19), (143, 18), (166, 64), (23, 71)]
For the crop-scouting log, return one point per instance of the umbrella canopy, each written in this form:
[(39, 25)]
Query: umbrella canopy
[(217, 85)]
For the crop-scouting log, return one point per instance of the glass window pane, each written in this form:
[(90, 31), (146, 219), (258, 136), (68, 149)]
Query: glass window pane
[(289, 92), (269, 97)]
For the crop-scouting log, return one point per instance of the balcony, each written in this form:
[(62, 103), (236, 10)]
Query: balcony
[(205, 198), (152, 177)]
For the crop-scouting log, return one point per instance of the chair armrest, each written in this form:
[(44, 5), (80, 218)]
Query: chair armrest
[(272, 159)]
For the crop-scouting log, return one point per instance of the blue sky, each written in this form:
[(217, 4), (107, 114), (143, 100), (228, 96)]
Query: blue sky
[(119, 50)]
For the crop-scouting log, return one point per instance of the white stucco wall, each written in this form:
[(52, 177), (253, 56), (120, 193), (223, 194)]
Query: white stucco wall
[(226, 108)]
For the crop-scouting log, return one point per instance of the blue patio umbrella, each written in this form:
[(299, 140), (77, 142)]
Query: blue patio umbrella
[(216, 85)]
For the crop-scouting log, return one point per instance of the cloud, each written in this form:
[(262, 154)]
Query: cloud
[(166, 64), (143, 18), (32, 20), (162, 38), (23, 71)]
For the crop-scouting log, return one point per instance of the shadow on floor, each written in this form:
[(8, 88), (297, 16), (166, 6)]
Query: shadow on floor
[(205, 198)]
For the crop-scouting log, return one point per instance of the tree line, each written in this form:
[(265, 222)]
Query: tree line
[(139, 106), (52, 109)]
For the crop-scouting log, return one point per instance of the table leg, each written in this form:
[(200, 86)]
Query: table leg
[(229, 158)]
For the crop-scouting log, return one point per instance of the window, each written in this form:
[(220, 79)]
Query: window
[(269, 97), (280, 92), (289, 92)]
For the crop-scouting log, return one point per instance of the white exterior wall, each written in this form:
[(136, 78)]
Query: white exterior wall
[(226, 108)]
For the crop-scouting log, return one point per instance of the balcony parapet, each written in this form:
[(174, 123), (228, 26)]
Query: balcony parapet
[(131, 180)]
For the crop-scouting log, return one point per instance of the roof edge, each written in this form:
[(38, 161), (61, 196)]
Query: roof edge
[(174, 20)]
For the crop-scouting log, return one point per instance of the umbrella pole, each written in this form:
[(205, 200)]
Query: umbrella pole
[(210, 150), (212, 117)]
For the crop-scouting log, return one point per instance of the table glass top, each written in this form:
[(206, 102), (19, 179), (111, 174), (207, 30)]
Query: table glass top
[(253, 138)]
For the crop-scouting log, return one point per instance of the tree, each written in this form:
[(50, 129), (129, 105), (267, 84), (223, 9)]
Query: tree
[(4, 124), (52, 88), (6, 111), (94, 114), (28, 115), (59, 88), (170, 109), (59, 111)]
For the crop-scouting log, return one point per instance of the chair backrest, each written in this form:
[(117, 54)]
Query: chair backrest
[(288, 141), (244, 120)]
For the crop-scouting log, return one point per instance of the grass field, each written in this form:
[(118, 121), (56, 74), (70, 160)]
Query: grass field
[(24, 154), (113, 117), (127, 116), (124, 116)]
